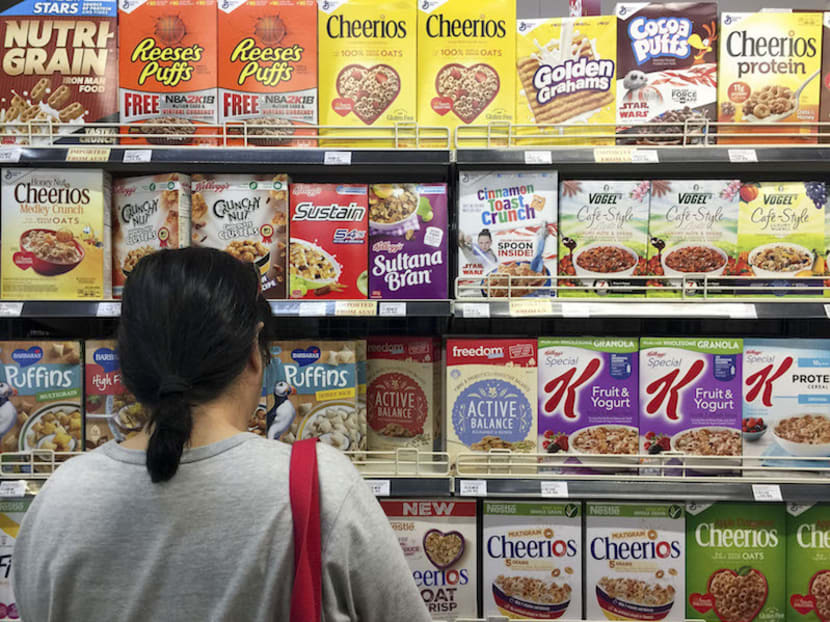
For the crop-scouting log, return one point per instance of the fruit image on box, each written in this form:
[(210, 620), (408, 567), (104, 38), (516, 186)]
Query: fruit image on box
[(808, 562)]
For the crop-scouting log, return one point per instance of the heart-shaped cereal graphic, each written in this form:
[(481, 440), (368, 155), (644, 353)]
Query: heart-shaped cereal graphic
[(371, 89), (802, 604), (471, 89), (443, 549), (818, 596), (738, 595)]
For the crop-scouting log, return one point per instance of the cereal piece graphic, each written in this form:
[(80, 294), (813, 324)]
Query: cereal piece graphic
[(39, 89), (443, 549), (73, 111), (17, 106), (59, 97), (469, 90), (30, 114)]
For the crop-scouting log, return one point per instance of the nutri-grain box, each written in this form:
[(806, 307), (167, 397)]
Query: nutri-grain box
[(736, 559), (408, 233), (532, 560), (667, 71), (11, 517), (439, 539), (329, 251), (267, 71), (167, 71), (148, 214), (59, 67), (56, 234), (634, 561), (808, 562)]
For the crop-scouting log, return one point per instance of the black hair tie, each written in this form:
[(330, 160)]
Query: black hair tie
[(173, 385)]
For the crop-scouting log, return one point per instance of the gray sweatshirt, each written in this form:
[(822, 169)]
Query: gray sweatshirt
[(215, 543)]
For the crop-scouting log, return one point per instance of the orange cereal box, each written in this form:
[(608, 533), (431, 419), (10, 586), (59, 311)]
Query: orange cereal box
[(268, 71), (167, 69)]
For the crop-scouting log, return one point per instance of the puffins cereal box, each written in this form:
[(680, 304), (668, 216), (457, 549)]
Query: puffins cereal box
[(532, 560), (808, 562), (267, 72), (634, 561), (567, 75), (666, 71), (167, 71), (329, 241), (507, 235), (148, 214), (603, 229), (12, 512), (736, 558), (58, 69), (769, 73), (408, 233), (55, 235)]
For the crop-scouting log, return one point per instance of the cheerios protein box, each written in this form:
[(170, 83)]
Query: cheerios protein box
[(808, 562)]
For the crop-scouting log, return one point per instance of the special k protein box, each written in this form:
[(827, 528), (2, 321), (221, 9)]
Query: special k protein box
[(59, 68), (167, 70), (329, 250), (268, 71)]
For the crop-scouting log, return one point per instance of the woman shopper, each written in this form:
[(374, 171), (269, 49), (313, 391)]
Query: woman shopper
[(191, 520)]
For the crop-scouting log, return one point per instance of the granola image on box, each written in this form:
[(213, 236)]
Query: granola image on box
[(808, 563)]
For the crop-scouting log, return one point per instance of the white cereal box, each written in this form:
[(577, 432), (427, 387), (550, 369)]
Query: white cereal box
[(11, 515)]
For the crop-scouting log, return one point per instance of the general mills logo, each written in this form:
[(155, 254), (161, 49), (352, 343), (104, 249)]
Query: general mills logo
[(623, 11), (125, 5), (325, 5), (727, 20), (226, 4), (522, 26), (9, 174), (425, 5)]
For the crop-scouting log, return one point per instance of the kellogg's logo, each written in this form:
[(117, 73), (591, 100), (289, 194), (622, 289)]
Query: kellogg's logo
[(666, 389), (24, 358), (306, 357), (762, 380), (566, 386), (107, 359)]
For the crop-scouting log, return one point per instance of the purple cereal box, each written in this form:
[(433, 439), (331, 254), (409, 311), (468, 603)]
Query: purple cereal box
[(408, 241)]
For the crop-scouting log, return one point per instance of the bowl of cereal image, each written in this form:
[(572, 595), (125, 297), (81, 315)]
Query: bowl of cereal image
[(693, 258), (49, 252), (310, 266), (334, 423), (634, 599), (608, 445), (515, 280), (780, 259), (250, 251), (712, 443), (804, 436), (392, 207), (603, 260), (533, 598), (56, 427), (133, 257)]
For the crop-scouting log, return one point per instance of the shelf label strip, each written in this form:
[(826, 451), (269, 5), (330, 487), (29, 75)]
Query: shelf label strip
[(14, 489), (137, 155), (11, 309), (767, 492), (337, 158), (743, 155), (313, 309), (380, 487), (108, 309), (475, 310), (554, 490), (392, 309), (10, 155), (538, 157), (472, 488)]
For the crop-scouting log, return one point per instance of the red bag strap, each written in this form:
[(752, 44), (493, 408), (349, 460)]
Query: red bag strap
[(304, 490)]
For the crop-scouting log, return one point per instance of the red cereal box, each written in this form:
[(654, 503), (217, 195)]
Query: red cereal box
[(329, 241)]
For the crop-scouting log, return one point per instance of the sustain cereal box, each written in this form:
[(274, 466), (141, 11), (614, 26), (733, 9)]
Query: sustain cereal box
[(634, 561), (439, 539), (55, 234), (267, 71), (736, 558), (408, 232), (808, 563), (532, 560), (11, 517), (604, 230), (507, 234)]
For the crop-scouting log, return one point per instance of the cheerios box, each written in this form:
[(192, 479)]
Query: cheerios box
[(56, 235), (736, 559), (532, 559), (808, 562), (12, 512), (635, 561)]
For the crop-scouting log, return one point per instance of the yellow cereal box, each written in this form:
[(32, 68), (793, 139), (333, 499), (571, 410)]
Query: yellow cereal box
[(770, 66), (368, 52), (566, 71), (55, 235)]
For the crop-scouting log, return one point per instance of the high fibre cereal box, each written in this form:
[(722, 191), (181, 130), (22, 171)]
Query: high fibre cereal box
[(368, 60), (634, 561), (567, 76), (167, 71), (328, 256), (770, 65), (267, 71), (603, 229), (58, 71), (808, 563), (439, 540), (532, 560), (148, 214), (507, 234), (408, 233), (11, 517), (246, 216), (56, 234), (667, 72), (736, 557)]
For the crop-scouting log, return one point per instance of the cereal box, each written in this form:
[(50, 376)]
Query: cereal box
[(246, 216), (824, 82), (368, 60), (769, 73), (808, 563), (268, 71), (438, 538), (634, 561), (408, 233), (532, 560), (11, 516), (56, 234), (603, 228), (693, 230), (735, 562), (491, 395), (507, 240), (567, 75), (167, 70), (59, 68), (329, 241), (362, 368), (666, 71), (149, 214), (111, 411), (588, 396)]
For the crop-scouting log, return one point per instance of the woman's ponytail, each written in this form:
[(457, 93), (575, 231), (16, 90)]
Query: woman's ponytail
[(171, 422)]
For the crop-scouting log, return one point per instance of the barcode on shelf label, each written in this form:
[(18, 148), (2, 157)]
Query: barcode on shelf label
[(475, 310), (109, 309), (313, 309), (380, 487), (138, 155), (767, 492), (554, 490), (392, 309), (13, 489), (356, 307), (337, 158), (645, 156), (11, 309), (10, 155), (530, 307), (472, 488), (538, 157), (743, 155)]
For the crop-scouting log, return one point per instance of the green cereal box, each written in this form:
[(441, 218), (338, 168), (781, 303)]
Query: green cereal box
[(808, 562), (736, 555)]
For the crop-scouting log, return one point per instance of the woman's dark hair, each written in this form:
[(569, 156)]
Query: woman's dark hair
[(188, 321), (485, 233)]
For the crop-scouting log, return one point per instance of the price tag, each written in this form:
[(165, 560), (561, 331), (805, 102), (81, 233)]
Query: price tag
[(472, 488), (138, 155), (743, 155), (14, 488), (356, 307), (767, 492), (380, 487), (313, 309), (645, 156), (538, 157), (554, 490), (576, 309), (337, 158), (10, 155), (530, 307), (109, 309), (11, 309), (475, 310), (392, 309), (87, 154), (613, 155)]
